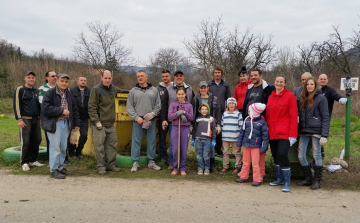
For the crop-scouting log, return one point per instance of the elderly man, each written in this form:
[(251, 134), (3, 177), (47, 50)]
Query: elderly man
[(297, 91), (102, 118), (143, 105)]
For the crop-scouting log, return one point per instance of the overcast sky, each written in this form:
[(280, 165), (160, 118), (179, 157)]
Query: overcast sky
[(150, 25)]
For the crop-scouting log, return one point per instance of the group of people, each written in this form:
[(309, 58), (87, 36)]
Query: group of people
[(259, 114)]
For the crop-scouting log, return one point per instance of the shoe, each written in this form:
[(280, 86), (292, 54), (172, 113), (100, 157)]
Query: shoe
[(80, 156), (241, 180), (280, 177), (36, 163), (57, 175), (171, 167), (114, 169), (317, 177), (236, 170), (65, 172), (223, 171), (135, 167), (200, 172), (207, 172), (74, 157), (287, 175), (174, 172), (102, 171), (153, 166), (25, 167), (67, 162), (255, 184), (183, 173), (308, 176)]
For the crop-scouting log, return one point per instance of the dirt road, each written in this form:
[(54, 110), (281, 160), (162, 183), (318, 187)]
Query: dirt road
[(87, 199)]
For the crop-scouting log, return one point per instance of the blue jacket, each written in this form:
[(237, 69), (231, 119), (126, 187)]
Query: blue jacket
[(260, 135)]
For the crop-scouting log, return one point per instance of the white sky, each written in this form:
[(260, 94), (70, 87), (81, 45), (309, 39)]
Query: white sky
[(150, 25)]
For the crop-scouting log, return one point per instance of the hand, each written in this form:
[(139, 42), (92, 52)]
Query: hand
[(149, 116), (192, 142), (323, 141), (343, 101), (178, 113), (213, 143), (73, 136), (292, 140), (262, 152), (191, 129), (183, 118), (66, 112), (21, 124), (218, 129), (146, 124), (164, 125), (140, 121), (98, 125)]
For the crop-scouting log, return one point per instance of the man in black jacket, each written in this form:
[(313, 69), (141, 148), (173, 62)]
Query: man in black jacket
[(81, 93), (27, 112)]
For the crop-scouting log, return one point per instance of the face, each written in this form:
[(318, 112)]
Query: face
[(280, 83), (51, 78), (310, 86), (81, 82), (166, 78), (204, 110), (106, 79), (29, 80), (141, 78), (323, 80), (181, 95), (62, 83), (244, 77), (217, 75), (255, 77), (179, 79), (231, 106), (304, 78), (204, 90)]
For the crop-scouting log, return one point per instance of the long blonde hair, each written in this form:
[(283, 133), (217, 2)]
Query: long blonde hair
[(307, 98)]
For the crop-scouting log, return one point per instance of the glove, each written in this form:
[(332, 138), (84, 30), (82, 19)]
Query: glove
[(73, 136), (98, 125), (149, 116), (178, 113), (183, 118), (323, 141), (218, 129), (193, 142), (292, 140), (262, 152), (146, 124), (213, 143), (343, 101)]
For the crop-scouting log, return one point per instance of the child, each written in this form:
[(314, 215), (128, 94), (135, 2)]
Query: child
[(183, 111), (231, 124), (204, 137), (255, 138)]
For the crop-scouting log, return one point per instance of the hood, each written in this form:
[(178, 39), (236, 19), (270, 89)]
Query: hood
[(264, 84), (204, 104), (144, 88)]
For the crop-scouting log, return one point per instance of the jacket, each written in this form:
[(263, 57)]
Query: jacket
[(82, 109), (164, 98), (26, 102), (267, 90), (281, 115), (174, 107), (204, 128), (51, 110), (240, 93), (172, 92), (260, 135), (231, 123), (315, 120), (214, 107), (331, 95), (221, 91), (42, 90)]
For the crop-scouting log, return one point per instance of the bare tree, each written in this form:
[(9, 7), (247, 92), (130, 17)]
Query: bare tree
[(312, 58)]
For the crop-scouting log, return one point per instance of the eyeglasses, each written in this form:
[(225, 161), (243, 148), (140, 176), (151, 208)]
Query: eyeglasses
[(53, 76)]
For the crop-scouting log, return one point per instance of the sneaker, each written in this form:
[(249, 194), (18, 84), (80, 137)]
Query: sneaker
[(200, 172), (67, 162), (25, 167), (183, 173), (223, 171), (135, 167), (236, 170), (174, 172), (207, 172), (57, 175), (171, 167), (80, 156), (256, 184), (65, 172), (153, 166), (114, 169), (102, 171), (241, 180), (36, 163)]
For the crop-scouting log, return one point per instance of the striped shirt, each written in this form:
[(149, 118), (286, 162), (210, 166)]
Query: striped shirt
[(231, 124)]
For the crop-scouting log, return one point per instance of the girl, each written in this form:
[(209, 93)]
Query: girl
[(231, 124), (255, 138), (241, 88), (183, 111)]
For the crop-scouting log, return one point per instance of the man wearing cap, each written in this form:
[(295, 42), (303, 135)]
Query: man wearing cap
[(221, 89), (241, 88), (297, 91), (27, 111), (59, 116)]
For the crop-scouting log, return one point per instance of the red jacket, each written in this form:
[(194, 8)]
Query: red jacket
[(240, 93), (281, 115)]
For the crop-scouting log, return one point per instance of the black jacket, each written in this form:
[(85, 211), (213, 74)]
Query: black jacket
[(83, 110), (315, 120), (221, 91), (213, 104), (331, 95), (51, 110), (26, 102), (164, 98)]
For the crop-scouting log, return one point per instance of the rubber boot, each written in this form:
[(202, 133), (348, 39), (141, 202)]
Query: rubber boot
[(280, 177), (287, 175), (308, 176), (317, 177)]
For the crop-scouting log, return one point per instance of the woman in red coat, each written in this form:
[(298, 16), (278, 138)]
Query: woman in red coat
[(281, 117), (241, 88)]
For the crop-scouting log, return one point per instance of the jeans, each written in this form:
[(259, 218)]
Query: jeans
[(203, 149), (303, 143), (137, 135), (58, 144)]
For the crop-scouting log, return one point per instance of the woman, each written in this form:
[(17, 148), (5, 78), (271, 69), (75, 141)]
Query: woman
[(281, 117), (241, 88), (314, 124)]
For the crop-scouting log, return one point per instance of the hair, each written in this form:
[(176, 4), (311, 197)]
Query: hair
[(256, 69), (141, 71), (165, 71), (102, 74), (280, 75), (220, 69), (227, 109), (307, 98), (47, 74), (242, 72), (181, 89)]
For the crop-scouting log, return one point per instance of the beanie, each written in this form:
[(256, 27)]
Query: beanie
[(231, 100), (255, 110)]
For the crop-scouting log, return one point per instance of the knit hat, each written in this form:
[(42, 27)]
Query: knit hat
[(255, 110), (231, 100), (204, 104)]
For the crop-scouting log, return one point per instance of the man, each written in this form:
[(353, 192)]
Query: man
[(297, 91), (59, 116), (258, 92), (81, 94), (27, 112), (221, 89), (163, 116), (143, 105), (50, 82), (102, 118)]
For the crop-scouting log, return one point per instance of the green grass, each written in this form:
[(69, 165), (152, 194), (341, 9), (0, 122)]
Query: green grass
[(6, 105)]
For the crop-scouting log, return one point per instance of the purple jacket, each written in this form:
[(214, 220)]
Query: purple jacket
[(174, 107)]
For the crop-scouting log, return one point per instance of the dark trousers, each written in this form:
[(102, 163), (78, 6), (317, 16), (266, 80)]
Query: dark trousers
[(162, 140), (76, 151), (47, 145), (30, 138), (279, 151), (218, 144)]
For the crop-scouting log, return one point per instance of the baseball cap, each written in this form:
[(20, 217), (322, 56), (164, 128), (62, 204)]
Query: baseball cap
[(63, 75), (203, 83), (30, 72)]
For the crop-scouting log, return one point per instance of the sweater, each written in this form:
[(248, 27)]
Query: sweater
[(174, 107), (231, 124), (204, 128), (26, 102)]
